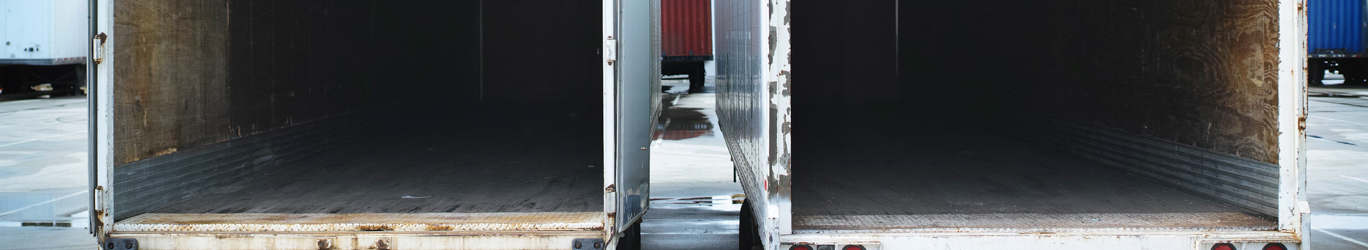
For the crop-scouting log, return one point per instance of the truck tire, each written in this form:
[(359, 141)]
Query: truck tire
[(1315, 72), (748, 237), (696, 79), (631, 239)]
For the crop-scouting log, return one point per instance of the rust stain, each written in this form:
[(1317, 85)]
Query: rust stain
[(611, 188), (374, 228), (440, 228)]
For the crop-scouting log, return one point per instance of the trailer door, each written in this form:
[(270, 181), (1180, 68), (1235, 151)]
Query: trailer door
[(634, 48), (100, 83)]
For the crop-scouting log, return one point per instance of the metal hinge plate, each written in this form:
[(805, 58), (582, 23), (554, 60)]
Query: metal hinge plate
[(587, 244), (120, 244)]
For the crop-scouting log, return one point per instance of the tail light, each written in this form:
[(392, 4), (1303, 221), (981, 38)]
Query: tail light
[(1223, 246), (859, 247), (1275, 246), (800, 248)]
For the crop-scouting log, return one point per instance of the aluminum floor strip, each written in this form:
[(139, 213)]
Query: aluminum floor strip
[(1030, 223), (416, 222)]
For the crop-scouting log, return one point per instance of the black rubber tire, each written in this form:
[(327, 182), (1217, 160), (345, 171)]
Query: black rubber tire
[(1315, 72), (631, 238), (748, 237)]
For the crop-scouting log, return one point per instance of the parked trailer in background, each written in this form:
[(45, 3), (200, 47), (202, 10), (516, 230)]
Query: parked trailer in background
[(45, 45), (1335, 40), (686, 39), (1101, 125), (264, 124)]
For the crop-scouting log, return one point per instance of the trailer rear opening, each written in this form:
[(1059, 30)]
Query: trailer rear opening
[(963, 117), (362, 103), (363, 119), (984, 125)]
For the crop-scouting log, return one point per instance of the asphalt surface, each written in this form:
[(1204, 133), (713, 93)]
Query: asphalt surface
[(1337, 167), (43, 174)]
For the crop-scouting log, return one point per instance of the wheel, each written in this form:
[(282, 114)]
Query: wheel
[(631, 238), (1315, 72), (748, 237)]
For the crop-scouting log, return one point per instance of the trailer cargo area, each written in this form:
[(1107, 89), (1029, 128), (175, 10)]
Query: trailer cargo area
[(999, 124), (310, 117), (1038, 117)]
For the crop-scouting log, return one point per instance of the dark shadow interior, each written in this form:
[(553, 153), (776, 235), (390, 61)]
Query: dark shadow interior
[(905, 102), (457, 105)]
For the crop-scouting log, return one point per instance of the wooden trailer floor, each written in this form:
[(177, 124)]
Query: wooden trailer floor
[(888, 173), (435, 163)]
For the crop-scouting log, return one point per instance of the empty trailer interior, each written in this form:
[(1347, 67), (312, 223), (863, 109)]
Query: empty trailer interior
[(242, 106), (1044, 116)]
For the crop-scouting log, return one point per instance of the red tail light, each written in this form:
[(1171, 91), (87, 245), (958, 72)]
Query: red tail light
[(800, 248), (859, 247), (1223, 246), (1275, 246)]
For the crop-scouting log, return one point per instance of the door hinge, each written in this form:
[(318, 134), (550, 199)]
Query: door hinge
[(98, 48), (610, 50)]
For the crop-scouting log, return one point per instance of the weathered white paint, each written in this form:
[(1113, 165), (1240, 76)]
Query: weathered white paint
[(1292, 116), (104, 111)]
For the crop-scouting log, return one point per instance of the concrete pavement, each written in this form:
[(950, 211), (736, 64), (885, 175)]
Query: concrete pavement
[(1337, 167), (43, 174), (694, 201)]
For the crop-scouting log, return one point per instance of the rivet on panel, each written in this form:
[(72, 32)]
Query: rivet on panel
[(324, 244), (382, 244)]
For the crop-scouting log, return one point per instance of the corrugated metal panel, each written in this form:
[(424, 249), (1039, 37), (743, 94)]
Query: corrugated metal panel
[(1335, 24), (686, 28)]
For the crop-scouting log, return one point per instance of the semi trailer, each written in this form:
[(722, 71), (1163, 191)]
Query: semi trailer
[(686, 39), (44, 48), (253, 124), (1335, 40), (1016, 125)]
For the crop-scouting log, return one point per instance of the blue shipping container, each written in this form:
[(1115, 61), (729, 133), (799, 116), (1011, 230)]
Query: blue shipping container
[(1335, 24)]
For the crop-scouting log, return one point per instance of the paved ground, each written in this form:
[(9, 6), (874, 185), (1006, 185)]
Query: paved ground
[(694, 201), (1337, 167), (43, 173)]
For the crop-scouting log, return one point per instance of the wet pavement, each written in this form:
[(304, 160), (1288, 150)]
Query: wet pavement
[(695, 202), (43, 174)]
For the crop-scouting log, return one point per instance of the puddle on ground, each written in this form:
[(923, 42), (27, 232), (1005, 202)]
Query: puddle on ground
[(722, 202), (679, 123), (44, 209)]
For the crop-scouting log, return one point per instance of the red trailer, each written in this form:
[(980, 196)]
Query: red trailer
[(686, 39)]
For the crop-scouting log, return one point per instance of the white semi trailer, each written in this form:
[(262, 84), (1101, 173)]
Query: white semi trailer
[(354, 124), (1016, 125), (44, 43)]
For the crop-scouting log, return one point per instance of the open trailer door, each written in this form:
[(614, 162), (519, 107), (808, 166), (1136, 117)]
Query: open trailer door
[(633, 42), (99, 83)]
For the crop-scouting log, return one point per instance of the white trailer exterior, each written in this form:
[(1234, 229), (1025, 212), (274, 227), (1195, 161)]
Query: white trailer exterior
[(754, 55), (181, 48), (44, 32)]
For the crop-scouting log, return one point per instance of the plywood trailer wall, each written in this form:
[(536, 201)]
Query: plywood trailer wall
[(212, 92), (1200, 73)]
